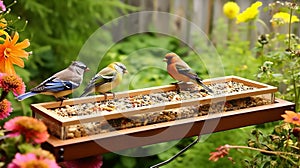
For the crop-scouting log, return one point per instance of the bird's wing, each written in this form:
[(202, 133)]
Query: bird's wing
[(186, 70), (55, 85), (100, 80)]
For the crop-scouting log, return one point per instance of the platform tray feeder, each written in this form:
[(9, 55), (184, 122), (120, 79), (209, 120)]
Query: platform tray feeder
[(82, 127)]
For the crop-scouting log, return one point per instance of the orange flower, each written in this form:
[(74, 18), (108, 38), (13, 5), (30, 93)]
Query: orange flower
[(291, 117), (11, 53)]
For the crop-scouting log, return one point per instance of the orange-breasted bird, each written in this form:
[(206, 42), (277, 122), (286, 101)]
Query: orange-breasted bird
[(181, 71)]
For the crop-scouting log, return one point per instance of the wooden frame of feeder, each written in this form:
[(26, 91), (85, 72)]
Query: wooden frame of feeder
[(84, 142), (41, 108), (115, 141)]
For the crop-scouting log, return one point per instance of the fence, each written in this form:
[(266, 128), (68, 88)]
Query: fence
[(205, 14)]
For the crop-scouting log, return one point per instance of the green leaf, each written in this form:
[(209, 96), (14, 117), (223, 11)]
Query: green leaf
[(26, 147), (128, 162)]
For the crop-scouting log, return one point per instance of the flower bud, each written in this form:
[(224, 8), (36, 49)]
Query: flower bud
[(296, 132)]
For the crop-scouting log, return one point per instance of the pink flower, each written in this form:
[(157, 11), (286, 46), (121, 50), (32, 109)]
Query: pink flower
[(30, 160), (5, 109), (2, 6), (13, 83), (90, 162), (32, 129)]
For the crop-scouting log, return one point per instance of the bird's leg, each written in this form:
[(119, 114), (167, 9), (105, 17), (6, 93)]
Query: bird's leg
[(177, 84), (105, 95), (61, 99)]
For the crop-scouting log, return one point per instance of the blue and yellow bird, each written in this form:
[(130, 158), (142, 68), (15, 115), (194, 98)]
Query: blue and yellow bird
[(60, 84), (106, 79)]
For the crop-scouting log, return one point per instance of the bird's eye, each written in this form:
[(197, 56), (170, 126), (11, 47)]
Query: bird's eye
[(80, 66)]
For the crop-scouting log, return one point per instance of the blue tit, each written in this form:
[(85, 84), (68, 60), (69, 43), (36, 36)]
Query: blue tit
[(106, 79), (181, 71), (60, 84)]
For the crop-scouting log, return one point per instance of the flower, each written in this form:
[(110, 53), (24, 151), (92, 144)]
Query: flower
[(40, 153), (291, 117), (2, 7), (231, 9), (5, 109), (220, 153), (32, 129), (12, 83), (30, 160), (91, 162), (296, 132), (250, 13), (11, 53), (3, 23), (282, 18)]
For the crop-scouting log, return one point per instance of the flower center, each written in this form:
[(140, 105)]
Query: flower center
[(35, 164), (11, 81), (3, 105), (7, 52), (295, 119)]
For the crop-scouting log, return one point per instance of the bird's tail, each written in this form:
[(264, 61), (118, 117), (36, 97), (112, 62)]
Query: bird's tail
[(199, 81), (26, 95)]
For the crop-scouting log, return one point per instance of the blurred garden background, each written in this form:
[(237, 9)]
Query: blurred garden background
[(264, 48)]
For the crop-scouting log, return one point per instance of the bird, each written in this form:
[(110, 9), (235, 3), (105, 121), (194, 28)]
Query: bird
[(106, 79), (61, 83), (181, 71)]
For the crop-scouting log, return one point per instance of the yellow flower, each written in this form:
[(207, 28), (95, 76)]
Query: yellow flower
[(283, 17), (231, 9), (11, 53), (3, 23), (250, 13)]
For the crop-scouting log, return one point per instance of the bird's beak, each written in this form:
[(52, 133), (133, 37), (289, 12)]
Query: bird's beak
[(125, 71), (165, 60), (87, 69)]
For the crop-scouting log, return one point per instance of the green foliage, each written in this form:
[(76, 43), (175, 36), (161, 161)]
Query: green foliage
[(56, 37), (281, 66), (197, 156), (281, 139), (237, 58), (57, 30)]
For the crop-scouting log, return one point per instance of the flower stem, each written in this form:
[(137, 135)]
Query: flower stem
[(263, 24), (290, 28), (23, 108), (229, 33), (262, 150), (3, 95)]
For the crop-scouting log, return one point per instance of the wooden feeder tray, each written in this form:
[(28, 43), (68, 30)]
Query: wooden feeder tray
[(68, 149)]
